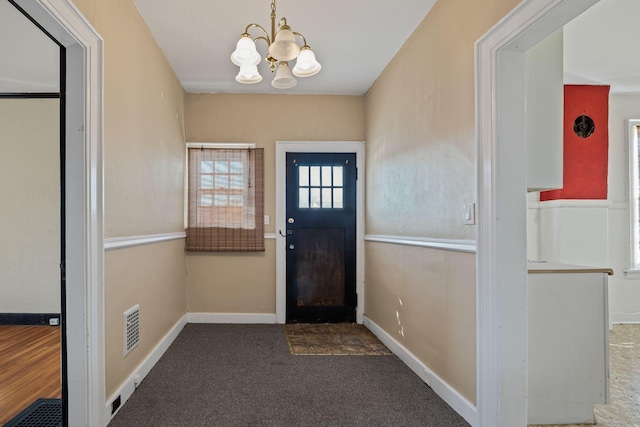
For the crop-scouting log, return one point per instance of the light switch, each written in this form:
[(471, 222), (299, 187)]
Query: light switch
[(470, 214), (267, 220)]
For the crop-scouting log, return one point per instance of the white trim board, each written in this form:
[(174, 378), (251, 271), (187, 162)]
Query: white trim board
[(501, 297), (450, 395), (579, 203), (467, 246), (284, 147), (127, 242), (127, 388), (619, 318), (232, 318)]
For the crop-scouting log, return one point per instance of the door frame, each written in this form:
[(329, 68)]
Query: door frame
[(282, 148), (84, 223), (501, 273)]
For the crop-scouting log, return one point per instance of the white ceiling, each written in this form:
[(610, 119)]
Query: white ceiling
[(601, 46), (353, 40)]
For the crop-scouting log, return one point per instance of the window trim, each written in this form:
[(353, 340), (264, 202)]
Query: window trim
[(219, 145), (634, 193)]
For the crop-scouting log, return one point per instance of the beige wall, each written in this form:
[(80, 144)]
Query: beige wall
[(30, 206), (230, 283), (420, 173), (149, 275), (143, 182)]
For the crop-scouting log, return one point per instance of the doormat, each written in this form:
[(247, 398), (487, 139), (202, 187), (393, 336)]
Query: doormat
[(41, 413), (333, 339)]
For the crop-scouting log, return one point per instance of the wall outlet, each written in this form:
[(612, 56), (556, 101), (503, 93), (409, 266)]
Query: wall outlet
[(267, 220), (115, 404), (54, 321)]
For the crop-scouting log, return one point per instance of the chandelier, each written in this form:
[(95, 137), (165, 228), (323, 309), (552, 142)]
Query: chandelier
[(282, 49)]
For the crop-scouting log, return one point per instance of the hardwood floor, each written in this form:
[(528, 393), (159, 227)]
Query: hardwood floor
[(29, 367)]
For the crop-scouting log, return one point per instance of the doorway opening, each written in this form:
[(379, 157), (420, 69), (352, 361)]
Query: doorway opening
[(501, 300), (32, 98), (83, 225)]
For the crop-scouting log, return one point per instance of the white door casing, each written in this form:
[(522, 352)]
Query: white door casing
[(501, 278), (84, 205)]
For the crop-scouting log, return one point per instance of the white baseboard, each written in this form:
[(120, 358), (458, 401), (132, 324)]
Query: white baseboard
[(128, 387), (621, 318), (241, 318), (450, 395)]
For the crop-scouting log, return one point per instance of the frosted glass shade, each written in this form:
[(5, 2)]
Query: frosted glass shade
[(246, 52), (284, 47), (306, 64), (283, 79), (248, 74)]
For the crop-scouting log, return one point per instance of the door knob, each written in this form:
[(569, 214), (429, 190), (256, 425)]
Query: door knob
[(291, 220), (291, 246)]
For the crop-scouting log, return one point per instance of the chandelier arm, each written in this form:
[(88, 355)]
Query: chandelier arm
[(266, 35), (302, 37), (262, 38)]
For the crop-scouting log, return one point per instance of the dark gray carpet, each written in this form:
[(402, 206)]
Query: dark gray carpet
[(244, 375)]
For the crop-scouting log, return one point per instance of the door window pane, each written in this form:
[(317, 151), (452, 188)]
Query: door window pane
[(326, 198), (337, 176), (337, 198), (304, 176), (303, 201), (315, 176), (326, 176), (315, 198)]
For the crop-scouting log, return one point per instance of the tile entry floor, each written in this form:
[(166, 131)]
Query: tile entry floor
[(624, 368), (333, 339)]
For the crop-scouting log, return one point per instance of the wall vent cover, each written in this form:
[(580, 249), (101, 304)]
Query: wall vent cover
[(131, 328)]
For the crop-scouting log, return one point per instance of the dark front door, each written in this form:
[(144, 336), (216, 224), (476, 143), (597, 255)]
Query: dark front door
[(321, 237)]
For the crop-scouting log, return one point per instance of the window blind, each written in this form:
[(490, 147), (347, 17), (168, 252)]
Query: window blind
[(225, 200)]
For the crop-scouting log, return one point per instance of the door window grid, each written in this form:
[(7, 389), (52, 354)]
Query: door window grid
[(320, 187)]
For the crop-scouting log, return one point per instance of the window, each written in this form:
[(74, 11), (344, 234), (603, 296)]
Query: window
[(225, 197), (320, 187), (634, 192)]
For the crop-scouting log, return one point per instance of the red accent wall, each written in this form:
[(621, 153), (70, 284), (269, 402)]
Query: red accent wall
[(585, 159)]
